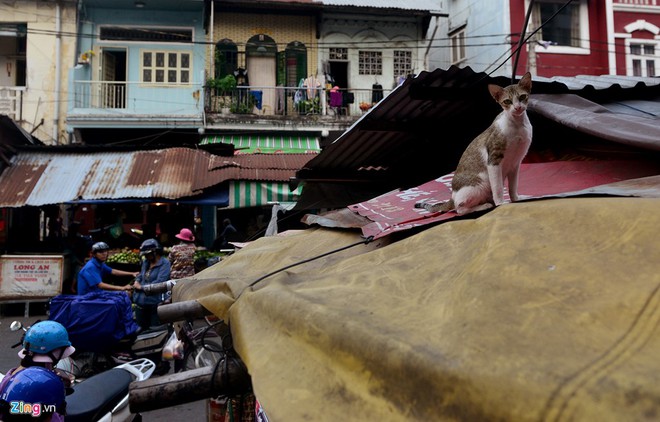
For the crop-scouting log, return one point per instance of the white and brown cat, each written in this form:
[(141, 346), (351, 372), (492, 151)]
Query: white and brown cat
[(494, 155)]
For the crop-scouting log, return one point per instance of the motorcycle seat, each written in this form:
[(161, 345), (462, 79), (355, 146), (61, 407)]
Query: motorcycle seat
[(97, 395)]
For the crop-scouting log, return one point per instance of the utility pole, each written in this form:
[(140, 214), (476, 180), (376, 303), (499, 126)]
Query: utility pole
[(531, 45)]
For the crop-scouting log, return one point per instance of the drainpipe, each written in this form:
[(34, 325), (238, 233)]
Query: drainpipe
[(58, 71)]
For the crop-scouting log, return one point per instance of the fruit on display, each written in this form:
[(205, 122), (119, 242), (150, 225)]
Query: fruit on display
[(124, 256), (206, 254)]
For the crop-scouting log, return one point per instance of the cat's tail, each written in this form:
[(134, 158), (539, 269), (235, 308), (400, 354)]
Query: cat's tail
[(440, 207)]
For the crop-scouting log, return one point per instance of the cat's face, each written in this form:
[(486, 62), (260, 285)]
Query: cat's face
[(513, 99)]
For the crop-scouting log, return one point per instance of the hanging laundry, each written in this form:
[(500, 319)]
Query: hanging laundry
[(313, 85), (299, 95)]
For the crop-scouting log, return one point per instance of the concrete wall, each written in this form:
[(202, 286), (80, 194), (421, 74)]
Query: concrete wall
[(42, 97)]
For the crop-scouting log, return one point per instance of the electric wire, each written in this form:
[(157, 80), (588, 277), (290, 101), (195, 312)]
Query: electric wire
[(304, 261)]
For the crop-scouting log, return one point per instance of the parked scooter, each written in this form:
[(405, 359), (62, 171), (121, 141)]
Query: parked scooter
[(104, 397), (102, 328)]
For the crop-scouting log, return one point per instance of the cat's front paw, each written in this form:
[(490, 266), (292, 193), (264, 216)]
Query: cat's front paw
[(521, 198)]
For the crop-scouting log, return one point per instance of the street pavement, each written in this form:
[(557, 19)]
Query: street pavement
[(190, 412)]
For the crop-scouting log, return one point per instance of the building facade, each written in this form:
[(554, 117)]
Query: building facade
[(37, 47), (592, 37)]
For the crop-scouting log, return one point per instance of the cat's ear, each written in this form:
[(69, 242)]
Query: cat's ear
[(526, 82), (496, 91)]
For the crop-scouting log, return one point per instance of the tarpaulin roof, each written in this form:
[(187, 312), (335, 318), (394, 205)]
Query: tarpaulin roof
[(537, 311)]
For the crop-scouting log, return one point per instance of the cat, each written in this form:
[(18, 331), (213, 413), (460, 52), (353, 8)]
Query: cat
[(494, 155)]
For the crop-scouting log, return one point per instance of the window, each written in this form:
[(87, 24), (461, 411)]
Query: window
[(370, 62), (402, 63), (338, 54), (226, 58), (642, 59), (565, 29), (457, 38), (166, 67)]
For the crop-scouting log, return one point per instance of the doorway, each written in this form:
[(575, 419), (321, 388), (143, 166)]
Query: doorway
[(112, 87), (339, 71)]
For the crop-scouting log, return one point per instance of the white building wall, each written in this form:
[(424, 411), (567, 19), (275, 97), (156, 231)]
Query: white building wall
[(487, 26), (383, 33)]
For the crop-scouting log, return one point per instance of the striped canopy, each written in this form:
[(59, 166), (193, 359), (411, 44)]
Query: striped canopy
[(243, 194), (266, 144)]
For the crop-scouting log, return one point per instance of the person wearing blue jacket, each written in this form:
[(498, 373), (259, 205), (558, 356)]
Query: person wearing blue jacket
[(90, 277), (155, 269)]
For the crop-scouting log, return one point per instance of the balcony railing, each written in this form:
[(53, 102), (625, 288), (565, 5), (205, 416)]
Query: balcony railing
[(291, 101), (11, 101), (137, 97), (638, 2), (126, 98)]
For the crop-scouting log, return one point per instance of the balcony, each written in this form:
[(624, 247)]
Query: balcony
[(11, 101), (102, 103)]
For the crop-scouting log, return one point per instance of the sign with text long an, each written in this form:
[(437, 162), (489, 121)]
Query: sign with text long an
[(30, 276)]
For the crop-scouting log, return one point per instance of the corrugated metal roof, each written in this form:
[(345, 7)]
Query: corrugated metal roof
[(42, 177), (420, 130)]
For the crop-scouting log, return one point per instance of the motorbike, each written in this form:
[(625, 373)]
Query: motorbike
[(104, 396), (103, 330), (147, 344), (201, 346)]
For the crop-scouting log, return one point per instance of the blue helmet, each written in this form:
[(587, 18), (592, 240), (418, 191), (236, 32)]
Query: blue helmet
[(43, 338), (36, 385)]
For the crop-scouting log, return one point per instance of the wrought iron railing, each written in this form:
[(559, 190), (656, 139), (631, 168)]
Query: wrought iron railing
[(131, 97), (291, 101)]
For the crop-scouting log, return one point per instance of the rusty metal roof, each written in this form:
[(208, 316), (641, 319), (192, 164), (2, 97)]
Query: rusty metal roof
[(40, 177)]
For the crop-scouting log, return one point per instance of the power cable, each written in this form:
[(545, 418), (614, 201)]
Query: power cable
[(251, 285)]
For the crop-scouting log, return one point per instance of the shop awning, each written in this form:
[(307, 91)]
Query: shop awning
[(266, 144), (243, 194)]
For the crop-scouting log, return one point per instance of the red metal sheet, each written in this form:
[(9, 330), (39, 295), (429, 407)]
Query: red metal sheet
[(395, 211)]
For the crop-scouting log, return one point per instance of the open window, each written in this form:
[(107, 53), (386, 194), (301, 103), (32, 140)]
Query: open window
[(565, 26)]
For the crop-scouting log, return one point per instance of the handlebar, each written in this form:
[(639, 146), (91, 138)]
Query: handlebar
[(157, 288)]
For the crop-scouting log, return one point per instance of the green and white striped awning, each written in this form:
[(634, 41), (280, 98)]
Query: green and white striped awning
[(266, 144), (243, 194)]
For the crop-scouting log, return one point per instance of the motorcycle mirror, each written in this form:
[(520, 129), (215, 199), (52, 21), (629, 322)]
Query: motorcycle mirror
[(16, 325)]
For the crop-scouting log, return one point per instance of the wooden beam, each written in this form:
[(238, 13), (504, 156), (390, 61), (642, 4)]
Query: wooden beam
[(229, 377)]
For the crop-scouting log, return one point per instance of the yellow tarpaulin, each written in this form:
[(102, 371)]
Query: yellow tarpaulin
[(537, 311)]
